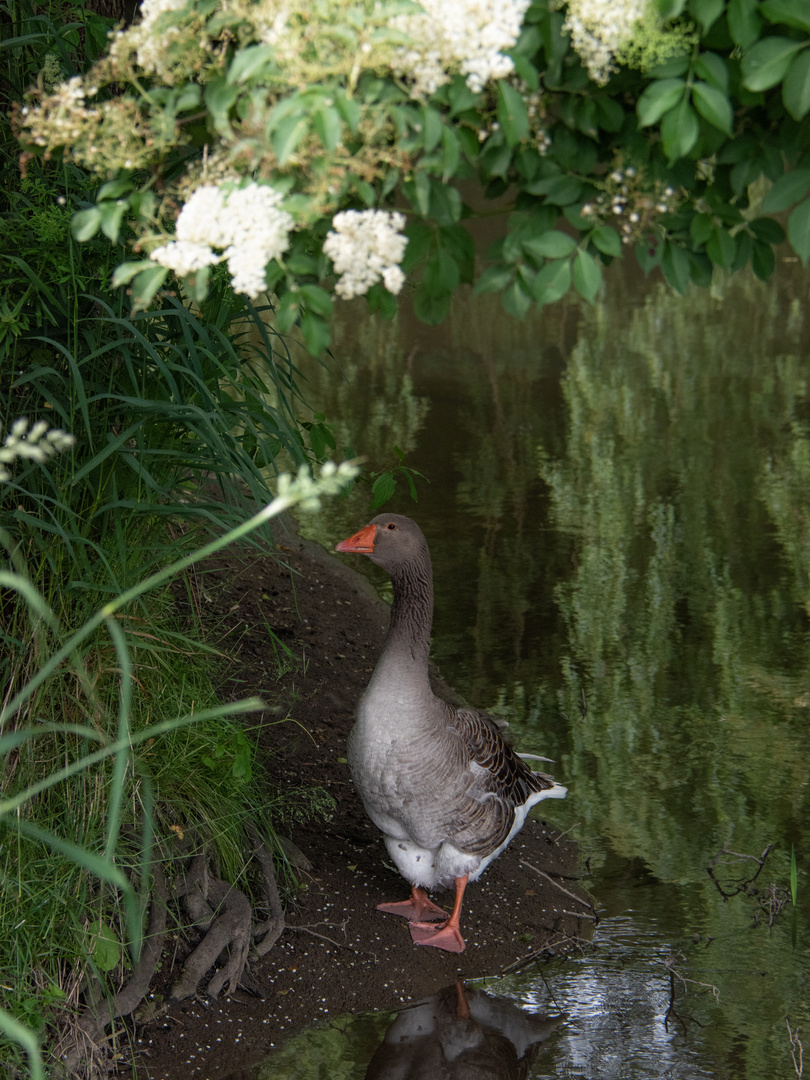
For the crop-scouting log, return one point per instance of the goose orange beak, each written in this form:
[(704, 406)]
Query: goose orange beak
[(362, 543)]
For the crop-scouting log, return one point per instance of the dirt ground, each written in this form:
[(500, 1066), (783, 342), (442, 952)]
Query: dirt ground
[(337, 953)]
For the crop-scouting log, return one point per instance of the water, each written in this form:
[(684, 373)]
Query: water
[(619, 521)]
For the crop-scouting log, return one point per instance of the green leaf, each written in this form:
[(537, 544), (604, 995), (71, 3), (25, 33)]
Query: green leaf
[(431, 128), (85, 224), (649, 254), (350, 110), (676, 267), (431, 309), (316, 333), (328, 126), (744, 22), (799, 230), (796, 87), (552, 282), (104, 946), (248, 61), (790, 12), (768, 230), (441, 273), (713, 69), (288, 134), (421, 193), (706, 12), (445, 202), (713, 105), (287, 312), (679, 131), (460, 96), (659, 97), (763, 260), (561, 190), (515, 301), (720, 248), (493, 279), (220, 97), (551, 245), (607, 240), (787, 191), (111, 214), (767, 63), (452, 153), (587, 275), (512, 114), (114, 189), (125, 272), (382, 489), (317, 299), (700, 228), (146, 284)]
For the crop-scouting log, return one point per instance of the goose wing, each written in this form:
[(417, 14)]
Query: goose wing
[(499, 782)]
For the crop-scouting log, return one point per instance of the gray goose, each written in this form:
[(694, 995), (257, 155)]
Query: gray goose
[(445, 789)]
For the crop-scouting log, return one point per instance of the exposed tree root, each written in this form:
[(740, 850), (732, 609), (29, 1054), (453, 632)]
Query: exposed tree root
[(85, 1045), (214, 906)]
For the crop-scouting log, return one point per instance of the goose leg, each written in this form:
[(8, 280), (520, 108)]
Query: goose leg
[(448, 935), (417, 908)]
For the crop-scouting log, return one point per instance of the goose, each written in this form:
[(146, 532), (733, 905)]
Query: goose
[(445, 789), (460, 1033)]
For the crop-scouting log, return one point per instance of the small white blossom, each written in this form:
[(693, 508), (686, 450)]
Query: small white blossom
[(599, 28), (306, 491), (366, 246), (246, 222), (38, 444), (466, 35)]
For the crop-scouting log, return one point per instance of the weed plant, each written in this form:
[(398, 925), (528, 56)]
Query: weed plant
[(113, 745)]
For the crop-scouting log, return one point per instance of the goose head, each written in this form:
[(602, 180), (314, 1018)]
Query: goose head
[(390, 540)]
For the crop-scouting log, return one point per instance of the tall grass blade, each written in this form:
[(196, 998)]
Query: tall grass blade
[(27, 1040)]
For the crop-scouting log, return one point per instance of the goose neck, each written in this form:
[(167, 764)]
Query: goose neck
[(412, 610)]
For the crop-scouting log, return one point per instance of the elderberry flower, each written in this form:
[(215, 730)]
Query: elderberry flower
[(366, 246), (246, 222), (599, 29), (465, 35), (38, 444)]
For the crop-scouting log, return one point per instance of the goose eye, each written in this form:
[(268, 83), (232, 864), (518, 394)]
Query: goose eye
[(390, 525)]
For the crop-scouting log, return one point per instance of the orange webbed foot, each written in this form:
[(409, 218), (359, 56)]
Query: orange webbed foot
[(447, 937)]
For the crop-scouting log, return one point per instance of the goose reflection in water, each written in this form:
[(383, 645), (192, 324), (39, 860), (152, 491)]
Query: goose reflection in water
[(461, 1034)]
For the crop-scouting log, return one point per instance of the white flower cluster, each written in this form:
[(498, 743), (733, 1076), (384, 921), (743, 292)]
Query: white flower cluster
[(365, 246), (465, 35), (271, 24), (599, 29), (148, 41), (306, 491), (246, 222), (38, 444), (632, 201)]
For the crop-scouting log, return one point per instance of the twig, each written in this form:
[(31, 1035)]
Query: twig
[(556, 884), (556, 839), (548, 949), (323, 937), (795, 1047), (759, 859)]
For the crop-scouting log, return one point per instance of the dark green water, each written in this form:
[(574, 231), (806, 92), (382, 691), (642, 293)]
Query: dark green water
[(619, 519)]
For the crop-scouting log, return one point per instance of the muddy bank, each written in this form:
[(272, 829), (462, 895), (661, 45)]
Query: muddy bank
[(337, 953)]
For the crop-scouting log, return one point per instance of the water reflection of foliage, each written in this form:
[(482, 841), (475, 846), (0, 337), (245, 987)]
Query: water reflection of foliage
[(684, 482), (367, 392)]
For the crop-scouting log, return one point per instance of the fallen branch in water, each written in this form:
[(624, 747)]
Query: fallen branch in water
[(739, 886), (795, 1048)]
